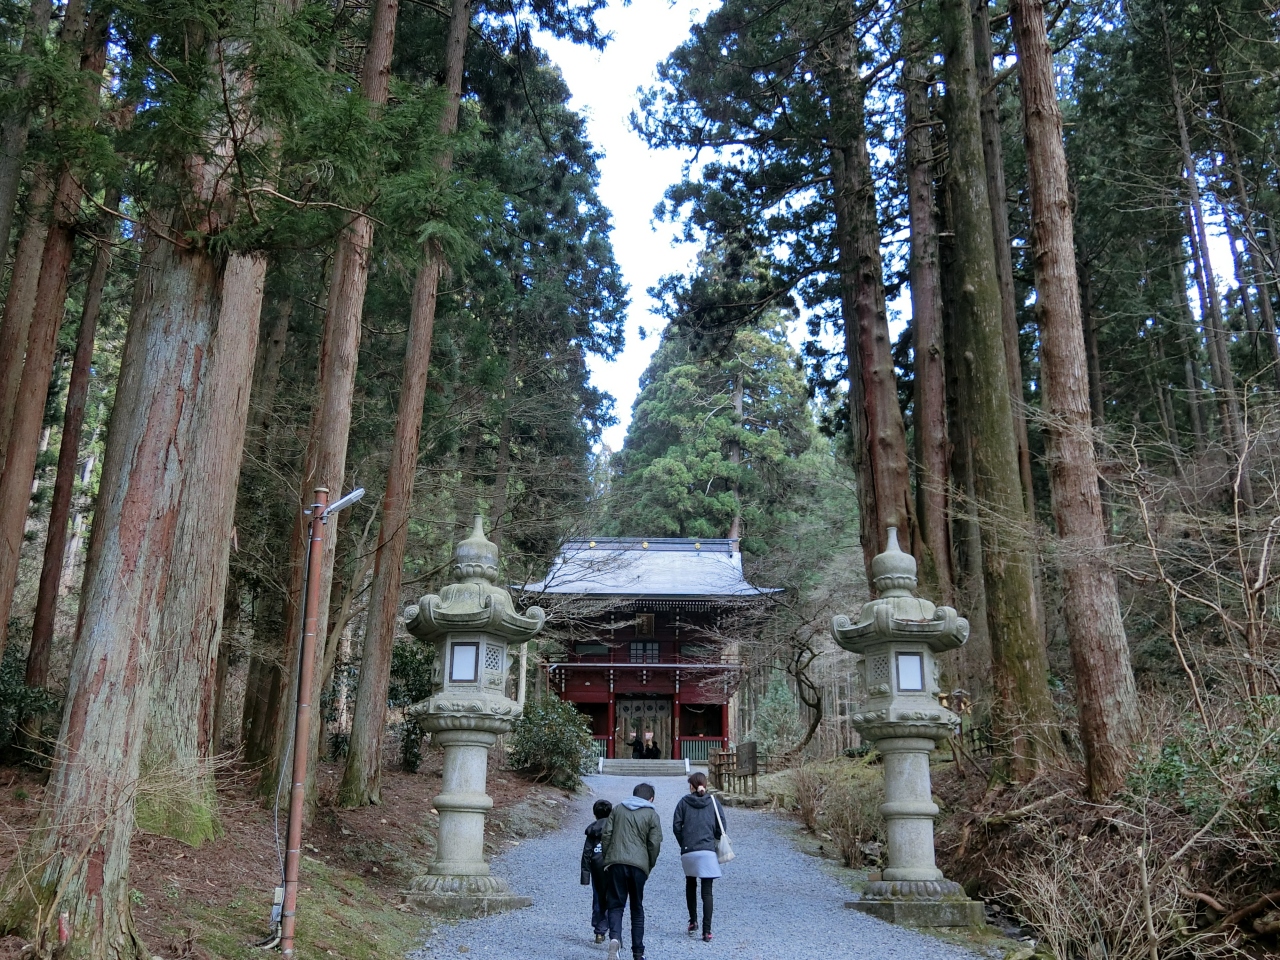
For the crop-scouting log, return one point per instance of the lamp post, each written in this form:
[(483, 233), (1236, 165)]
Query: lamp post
[(899, 636), (473, 625)]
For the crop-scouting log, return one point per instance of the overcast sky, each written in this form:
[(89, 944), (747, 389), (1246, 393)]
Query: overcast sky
[(633, 178)]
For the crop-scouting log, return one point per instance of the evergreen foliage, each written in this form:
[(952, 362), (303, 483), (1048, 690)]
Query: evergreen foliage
[(551, 741), (777, 721), (676, 475)]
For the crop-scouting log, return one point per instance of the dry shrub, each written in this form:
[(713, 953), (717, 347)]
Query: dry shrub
[(1090, 902), (851, 813), (809, 786)]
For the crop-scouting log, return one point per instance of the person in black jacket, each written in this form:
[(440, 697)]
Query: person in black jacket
[(593, 867), (697, 828)]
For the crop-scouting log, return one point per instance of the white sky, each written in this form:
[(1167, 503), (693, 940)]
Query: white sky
[(633, 178)]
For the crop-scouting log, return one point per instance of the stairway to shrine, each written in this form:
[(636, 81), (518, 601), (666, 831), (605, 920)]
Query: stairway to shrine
[(644, 768)]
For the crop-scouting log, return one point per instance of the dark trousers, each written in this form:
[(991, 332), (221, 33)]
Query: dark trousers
[(599, 896), (691, 899), (627, 881)]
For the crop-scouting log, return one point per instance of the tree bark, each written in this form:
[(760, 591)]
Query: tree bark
[(1023, 716), (47, 310), (20, 300), (16, 126), (973, 660), (932, 471), (997, 193), (81, 845), (326, 454), (218, 296), (1190, 339), (224, 301), (1105, 688), (68, 454), (361, 779), (879, 440), (1257, 266), (1231, 416), (263, 678)]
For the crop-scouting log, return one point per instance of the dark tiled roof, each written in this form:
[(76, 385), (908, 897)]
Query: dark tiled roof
[(634, 567)]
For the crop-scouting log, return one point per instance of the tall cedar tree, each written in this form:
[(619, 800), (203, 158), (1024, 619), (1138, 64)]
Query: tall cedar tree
[(362, 777), (326, 454), (1025, 725), (83, 45), (1100, 652)]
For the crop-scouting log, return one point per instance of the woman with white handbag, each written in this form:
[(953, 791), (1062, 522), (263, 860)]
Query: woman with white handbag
[(704, 845)]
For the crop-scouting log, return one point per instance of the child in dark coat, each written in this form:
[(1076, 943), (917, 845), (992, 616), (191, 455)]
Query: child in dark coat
[(593, 868)]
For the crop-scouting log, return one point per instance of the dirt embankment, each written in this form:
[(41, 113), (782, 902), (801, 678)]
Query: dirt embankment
[(214, 902)]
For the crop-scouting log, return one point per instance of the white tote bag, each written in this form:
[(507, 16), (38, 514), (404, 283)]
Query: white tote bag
[(724, 849)]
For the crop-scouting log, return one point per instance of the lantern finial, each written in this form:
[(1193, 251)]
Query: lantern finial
[(476, 558), (894, 572)]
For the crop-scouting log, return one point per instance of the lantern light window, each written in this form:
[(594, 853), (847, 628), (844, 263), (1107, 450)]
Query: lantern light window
[(910, 671), (464, 662)]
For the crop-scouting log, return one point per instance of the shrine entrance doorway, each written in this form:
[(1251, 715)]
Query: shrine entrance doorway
[(638, 715)]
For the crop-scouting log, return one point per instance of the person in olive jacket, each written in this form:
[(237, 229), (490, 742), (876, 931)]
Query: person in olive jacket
[(632, 839), (697, 828)]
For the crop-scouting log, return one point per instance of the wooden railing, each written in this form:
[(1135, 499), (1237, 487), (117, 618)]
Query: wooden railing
[(599, 747), (699, 749)]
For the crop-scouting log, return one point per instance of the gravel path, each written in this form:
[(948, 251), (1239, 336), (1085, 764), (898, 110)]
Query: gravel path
[(773, 902)]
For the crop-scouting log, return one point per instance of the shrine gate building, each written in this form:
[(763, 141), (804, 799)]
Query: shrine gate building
[(653, 647)]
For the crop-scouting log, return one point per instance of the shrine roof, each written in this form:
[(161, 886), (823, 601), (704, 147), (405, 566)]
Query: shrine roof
[(634, 567)]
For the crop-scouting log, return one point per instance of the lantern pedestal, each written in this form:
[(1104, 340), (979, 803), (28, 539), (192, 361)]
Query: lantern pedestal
[(899, 636), (471, 624)]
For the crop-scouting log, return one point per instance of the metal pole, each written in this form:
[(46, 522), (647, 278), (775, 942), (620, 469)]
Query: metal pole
[(302, 721)]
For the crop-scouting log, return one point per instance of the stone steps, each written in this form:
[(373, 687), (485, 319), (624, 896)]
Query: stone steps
[(644, 768)]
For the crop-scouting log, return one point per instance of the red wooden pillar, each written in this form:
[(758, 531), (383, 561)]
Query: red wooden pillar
[(724, 724), (675, 725), (613, 723)]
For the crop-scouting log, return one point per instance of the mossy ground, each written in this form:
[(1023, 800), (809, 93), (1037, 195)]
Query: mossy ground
[(339, 915), (213, 902)]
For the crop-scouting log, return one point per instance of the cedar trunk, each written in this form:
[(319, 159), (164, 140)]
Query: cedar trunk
[(930, 417), (1230, 414), (224, 302), (1105, 689), (263, 674), (20, 300), (361, 780), (63, 487), (80, 850), (878, 436), (33, 388), (1023, 714), (47, 308), (997, 194), (326, 454), (16, 126)]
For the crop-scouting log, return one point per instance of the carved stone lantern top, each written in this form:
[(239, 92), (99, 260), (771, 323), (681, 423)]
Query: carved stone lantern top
[(473, 625), (475, 602), (899, 636), (898, 614)]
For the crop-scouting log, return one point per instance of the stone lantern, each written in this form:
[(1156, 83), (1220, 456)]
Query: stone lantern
[(477, 633), (899, 636)]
